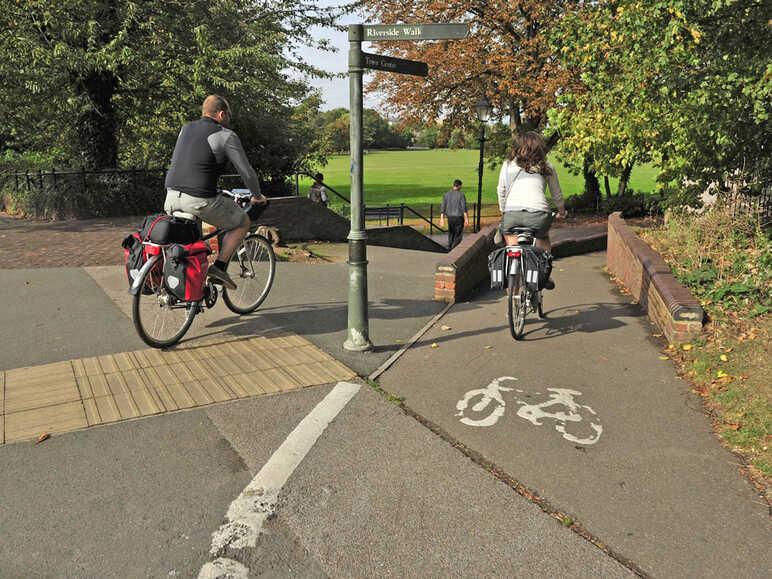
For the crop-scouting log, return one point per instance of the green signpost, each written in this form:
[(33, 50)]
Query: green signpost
[(358, 338)]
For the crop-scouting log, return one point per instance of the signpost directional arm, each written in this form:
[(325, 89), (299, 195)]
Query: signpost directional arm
[(390, 64)]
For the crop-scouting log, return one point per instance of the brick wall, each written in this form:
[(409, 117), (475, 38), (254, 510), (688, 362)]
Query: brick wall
[(650, 280), (464, 267)]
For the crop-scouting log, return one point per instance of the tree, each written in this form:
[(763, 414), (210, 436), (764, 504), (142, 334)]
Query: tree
[(506, 55), (100, 83), (683, 81)]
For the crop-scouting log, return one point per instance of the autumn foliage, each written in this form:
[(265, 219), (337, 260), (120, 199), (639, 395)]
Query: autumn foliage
[(506, 56)]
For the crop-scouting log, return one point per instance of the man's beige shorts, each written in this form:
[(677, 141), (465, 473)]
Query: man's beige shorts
[(219, 211)]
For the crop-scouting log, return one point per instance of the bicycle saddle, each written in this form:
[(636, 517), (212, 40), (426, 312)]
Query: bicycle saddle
[(183, 215)]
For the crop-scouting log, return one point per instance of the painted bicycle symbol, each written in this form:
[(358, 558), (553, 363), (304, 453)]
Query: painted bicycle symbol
[(577, 423)]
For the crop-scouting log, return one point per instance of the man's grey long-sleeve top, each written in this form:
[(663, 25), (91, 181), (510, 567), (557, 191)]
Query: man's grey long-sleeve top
[(202, 150)]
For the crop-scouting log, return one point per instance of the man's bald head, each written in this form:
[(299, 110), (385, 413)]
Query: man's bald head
[(217, 108)]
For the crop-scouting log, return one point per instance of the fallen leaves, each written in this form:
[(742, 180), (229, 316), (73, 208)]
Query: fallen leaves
[(445, 328), (41, 438), (435, 345)]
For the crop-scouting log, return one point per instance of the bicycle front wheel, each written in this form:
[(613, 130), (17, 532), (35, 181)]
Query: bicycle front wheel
[(252, 267), (159, 318), (516, 304)]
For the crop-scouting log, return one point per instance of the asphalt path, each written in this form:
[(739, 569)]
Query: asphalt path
[(593, 421), (379, 493)]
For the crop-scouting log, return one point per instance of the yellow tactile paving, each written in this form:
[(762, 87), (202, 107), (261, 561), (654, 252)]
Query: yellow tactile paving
[(98, 390), (29, 424), (29, 388)]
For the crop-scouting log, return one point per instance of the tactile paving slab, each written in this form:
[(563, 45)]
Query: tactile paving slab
[(86, 392)]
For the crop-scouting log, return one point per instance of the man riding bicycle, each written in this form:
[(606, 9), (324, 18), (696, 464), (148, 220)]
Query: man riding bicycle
[(200, 155)]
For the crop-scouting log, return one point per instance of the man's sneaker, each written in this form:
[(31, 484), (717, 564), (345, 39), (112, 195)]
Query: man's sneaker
[(549, 284), (222, 276)]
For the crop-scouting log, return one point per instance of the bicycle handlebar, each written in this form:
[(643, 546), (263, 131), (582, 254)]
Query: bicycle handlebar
[(243, 198)]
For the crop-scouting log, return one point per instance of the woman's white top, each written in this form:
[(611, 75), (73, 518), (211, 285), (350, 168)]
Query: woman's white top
[(520, 190)]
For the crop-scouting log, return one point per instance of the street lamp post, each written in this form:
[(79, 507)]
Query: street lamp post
[(483, 110)]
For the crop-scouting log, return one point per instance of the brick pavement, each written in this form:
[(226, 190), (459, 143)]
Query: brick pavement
[(30, 243)]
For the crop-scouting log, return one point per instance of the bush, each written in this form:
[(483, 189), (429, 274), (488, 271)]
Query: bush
[(631, 204)]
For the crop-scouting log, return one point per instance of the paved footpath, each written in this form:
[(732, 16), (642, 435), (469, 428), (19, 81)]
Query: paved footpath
[(627, 456)]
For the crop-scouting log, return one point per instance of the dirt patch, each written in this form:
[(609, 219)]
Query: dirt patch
[(313, 252)]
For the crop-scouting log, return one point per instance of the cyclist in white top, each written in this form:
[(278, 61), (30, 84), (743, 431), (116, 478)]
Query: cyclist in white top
[(523, 180)]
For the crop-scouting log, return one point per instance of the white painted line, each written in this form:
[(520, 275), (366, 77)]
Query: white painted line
[(223, 568), (258, 500)]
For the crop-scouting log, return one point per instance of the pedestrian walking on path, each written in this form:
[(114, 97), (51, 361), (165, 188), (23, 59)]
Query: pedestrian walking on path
[(317, 192), (454, 207)]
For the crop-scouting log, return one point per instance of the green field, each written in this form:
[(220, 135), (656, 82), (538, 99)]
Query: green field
[(421, 177)]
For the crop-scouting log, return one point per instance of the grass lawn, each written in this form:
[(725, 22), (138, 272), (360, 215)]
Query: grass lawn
[(419, 178)]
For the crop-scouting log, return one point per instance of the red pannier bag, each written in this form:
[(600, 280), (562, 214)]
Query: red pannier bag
[(185, 270)]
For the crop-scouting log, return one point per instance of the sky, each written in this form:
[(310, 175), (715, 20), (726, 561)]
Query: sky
[(335, 92)]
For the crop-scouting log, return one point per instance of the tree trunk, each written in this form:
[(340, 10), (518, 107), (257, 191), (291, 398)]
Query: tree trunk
[(591, 184), (607, 185), (624, 179), (97, 125)]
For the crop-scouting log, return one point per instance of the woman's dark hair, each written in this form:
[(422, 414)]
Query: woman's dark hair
[(530, 153)]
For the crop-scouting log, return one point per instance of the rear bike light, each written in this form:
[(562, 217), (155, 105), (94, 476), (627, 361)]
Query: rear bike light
[(513, 254)]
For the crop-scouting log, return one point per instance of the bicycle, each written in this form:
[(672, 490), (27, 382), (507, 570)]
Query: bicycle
[(520, 298), (162, 319)]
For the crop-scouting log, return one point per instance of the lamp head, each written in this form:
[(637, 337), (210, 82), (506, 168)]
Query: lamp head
[(483, 109)]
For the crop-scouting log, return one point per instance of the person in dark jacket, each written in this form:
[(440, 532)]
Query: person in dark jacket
[(203, 148), (454, 208)]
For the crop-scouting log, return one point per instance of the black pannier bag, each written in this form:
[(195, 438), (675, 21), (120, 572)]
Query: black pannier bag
[(135, 255), (538, 267), (497, 260), (185, 270)]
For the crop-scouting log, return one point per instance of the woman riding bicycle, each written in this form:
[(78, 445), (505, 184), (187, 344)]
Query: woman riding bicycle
[(521, 190)]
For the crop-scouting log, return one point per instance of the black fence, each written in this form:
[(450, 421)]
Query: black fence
[(83, 193), (755, 202)]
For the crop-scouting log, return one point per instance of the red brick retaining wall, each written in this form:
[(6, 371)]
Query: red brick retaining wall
[(464, 267), (668, 303)]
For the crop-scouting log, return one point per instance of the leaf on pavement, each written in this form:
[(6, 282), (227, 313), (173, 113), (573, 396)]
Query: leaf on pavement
[(435, 345), (664, 358), (488, 347), (445, 328), (41, 438)]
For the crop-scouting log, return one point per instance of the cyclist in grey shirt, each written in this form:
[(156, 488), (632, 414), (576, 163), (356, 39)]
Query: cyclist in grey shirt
[(203, 148)]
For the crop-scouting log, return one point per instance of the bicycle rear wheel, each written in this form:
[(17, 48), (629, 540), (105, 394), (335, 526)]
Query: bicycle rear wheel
[(252, 267), (159, 318), (516, 306)]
